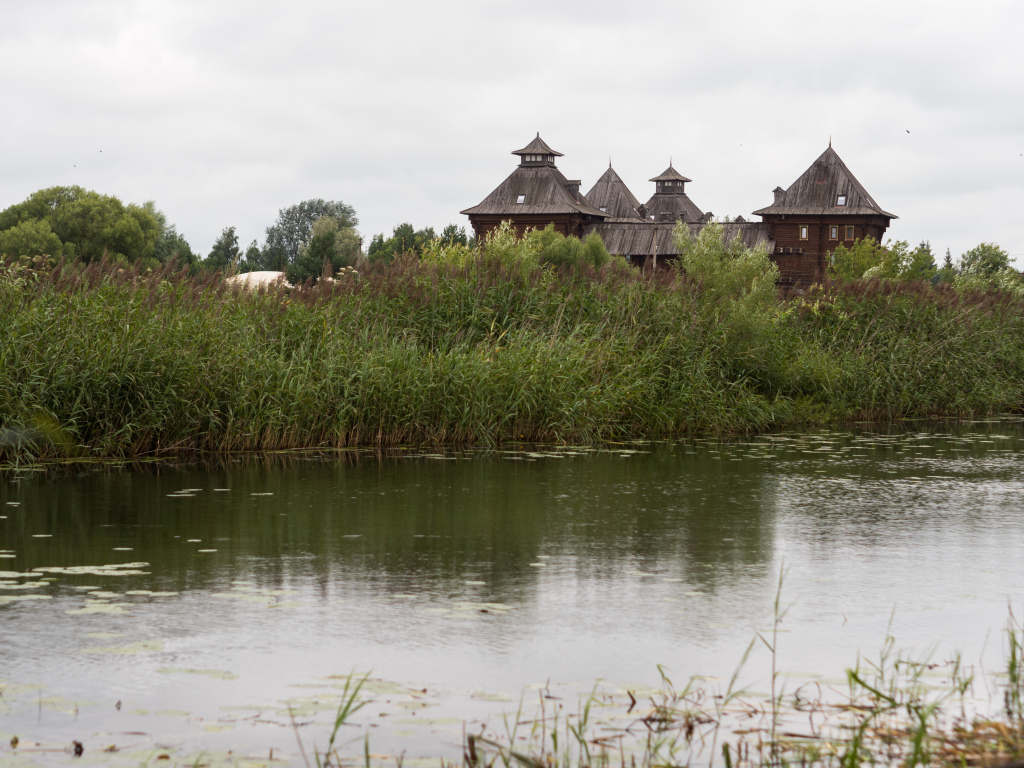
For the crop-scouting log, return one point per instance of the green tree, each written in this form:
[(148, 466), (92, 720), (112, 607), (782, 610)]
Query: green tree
[(892, 261), (88, 224), (169, 244), (984, 259), (558, 250), (252, 259), (404, 239), (294, 227), (331, 247), (30, 238), (224, 251), (851, 263), (947, 273), (454, 235)]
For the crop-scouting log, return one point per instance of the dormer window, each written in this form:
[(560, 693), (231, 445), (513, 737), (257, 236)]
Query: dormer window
[(604, 209), (841, 200), (520, 199)]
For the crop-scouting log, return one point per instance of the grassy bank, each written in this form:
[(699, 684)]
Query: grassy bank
[(480, 347)]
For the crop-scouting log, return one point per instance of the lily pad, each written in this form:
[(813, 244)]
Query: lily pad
[(217, 674), (20, 598), (98, 608), (146, 646)]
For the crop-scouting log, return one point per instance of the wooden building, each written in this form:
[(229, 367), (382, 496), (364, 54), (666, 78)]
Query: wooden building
[(670, 201), (800, 230), (535, 195), (826, 206)]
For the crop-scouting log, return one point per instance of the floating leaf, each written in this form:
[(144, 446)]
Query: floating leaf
[(217, 674), (99, 608), (146, 646), (19, 598)]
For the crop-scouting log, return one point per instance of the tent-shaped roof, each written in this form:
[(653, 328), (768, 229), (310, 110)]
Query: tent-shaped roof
[(537, 147), (677, 205), (819, 190), (670, 174), (544, 191), (611, 195)]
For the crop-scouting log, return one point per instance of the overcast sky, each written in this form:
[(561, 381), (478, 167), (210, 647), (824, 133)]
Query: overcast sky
[(224, 112)]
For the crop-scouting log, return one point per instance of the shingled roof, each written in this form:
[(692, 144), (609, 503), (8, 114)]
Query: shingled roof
[(670, 174), (637, 239), (544, 189), (537, 147), (818, 190), (611, 195), (677, 205)]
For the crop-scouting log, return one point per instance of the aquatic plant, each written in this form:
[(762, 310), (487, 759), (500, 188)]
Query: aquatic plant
[(477, 347)]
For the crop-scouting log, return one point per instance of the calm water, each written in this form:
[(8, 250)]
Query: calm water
[(215, 605)]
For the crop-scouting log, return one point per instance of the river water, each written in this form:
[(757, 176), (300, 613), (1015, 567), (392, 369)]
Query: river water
[(218, 611)]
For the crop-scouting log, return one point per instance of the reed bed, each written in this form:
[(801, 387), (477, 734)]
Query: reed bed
[(101, 361)]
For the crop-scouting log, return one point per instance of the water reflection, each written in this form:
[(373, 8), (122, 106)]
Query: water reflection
[(500, 569)]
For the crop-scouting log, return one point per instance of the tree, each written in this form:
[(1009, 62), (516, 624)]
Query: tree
[(88, 224), (851, 263), (892, 261), (454, 235), (294, 227), (252, 260), (331, 246), (404, 239), (224, 251), (30, 238), (947, 273), (984, 259), (169, 244), (559, 250)]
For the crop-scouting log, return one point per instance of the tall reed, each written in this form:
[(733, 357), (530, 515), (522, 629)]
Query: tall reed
[(96, 360)]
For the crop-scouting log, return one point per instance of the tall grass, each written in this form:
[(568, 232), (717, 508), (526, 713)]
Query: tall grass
[(96, 360)]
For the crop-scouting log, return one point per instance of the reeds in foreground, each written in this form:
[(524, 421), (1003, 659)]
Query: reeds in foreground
[(101, 361)]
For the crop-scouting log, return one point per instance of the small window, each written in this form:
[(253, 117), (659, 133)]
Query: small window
[(803, 231), (841, 200), (833, 233), (520, 199), (849, 233), (679, 183), (604, 209)]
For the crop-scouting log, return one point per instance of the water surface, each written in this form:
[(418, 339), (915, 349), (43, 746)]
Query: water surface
[(244, 594)]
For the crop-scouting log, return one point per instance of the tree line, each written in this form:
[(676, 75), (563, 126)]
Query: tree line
[(303, 241), (982, 265), (317, 235)]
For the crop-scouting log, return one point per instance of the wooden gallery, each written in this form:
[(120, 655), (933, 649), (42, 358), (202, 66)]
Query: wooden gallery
[(826, 206)]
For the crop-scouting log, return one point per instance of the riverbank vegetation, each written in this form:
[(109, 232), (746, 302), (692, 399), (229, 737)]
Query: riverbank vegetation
[(543, 338), (894, 710)]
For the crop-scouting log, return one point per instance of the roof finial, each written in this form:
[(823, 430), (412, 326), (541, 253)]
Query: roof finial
[(830, 141), (609, 161), (538, 135)]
